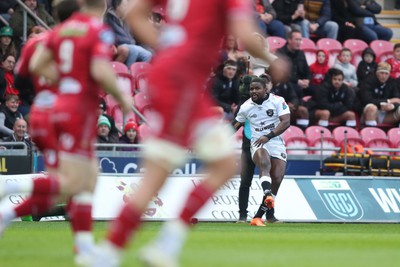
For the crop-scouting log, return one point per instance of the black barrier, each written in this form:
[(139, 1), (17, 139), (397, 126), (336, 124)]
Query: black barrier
[(15, 161)]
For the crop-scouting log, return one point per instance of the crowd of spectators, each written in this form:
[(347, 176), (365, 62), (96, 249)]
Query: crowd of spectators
[(316, 93)]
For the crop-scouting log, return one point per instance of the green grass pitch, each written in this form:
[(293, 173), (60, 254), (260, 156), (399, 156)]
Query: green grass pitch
[(222, 244)]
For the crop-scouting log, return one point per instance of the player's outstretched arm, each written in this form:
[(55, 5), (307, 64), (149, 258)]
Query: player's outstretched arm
[(42, 64), (103, 74), (138, 19)]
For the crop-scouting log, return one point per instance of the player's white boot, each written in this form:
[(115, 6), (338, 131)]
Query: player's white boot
[(164, 251)]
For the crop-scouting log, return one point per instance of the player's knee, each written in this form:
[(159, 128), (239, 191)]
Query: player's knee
[(165, 153), (216, 144)]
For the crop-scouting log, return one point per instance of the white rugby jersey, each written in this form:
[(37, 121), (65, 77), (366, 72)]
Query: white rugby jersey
[(262, 118)]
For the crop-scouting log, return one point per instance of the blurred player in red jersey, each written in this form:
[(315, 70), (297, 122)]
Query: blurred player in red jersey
[(187, 49), (76, 58)]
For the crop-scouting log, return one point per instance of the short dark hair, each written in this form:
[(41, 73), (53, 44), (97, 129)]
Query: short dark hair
[(293, 31), (259, 80), (345, 49), (335, 72), (64, 9), (396, 46)]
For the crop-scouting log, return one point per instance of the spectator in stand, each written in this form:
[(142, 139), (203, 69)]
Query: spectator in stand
[(267, 19), (7, 46), (380, 97), (129, 136), (20, 134), (8, 115), (350, 73), (334, 101), (103, 132), (230, 51), (319, 68), (394, 63), (346, 22), (364, 12), (114, 136), (300, 76), (298, 112), (292, 14), (17, 21), (319, 19), (367, 65), (225, 88), (7, 9), (115, 18), (7, 85)]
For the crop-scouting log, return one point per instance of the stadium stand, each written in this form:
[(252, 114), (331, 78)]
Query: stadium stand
[(275, 43), (352, 136), (332, 46), (383, 49), (356, 46), (138, 72), (309, 48)]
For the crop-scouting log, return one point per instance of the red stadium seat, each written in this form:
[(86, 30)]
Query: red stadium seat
[(326, 142), (357, 47), (292, 131), (139, 73), (313, 133), (275, 43), (370, 133), (120, 68), (309, 48), (141, 101), (394, 137), (332, 46), (379, 143), (383, 49), (297, 142), (123, 76), (353, 137)]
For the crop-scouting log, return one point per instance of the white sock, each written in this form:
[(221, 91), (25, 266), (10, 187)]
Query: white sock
[(371, 123), (302, 122), (323, 123), (351, 123), (7, 215), (84, 242), (172, 237)]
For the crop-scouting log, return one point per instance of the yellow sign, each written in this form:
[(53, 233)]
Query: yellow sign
[(3, 167)]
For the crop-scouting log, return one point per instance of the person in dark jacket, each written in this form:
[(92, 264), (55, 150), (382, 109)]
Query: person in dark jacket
[(7, 9), (346, 22), (225, 88), (267, 19), (334, 101), (300, 76), (291, 13), (364, 12), (130, 136), (380, 97), (367, 65)]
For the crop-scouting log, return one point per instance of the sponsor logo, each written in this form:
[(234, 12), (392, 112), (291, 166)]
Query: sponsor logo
[(284, 106), (270, 112), (268, 127), (339, 199), (283, 155)]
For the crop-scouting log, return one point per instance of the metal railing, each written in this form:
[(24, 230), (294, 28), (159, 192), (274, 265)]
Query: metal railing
[(27, 11)]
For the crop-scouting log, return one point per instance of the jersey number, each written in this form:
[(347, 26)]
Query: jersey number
[(66, 56)]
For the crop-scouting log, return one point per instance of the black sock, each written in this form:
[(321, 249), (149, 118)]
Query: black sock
[(266, 186)]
